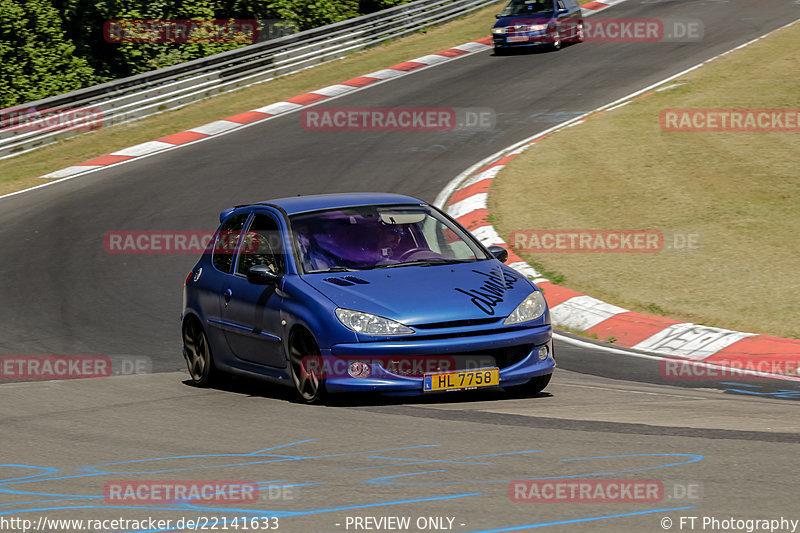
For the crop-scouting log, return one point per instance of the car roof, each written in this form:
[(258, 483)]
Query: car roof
[(300, 204)]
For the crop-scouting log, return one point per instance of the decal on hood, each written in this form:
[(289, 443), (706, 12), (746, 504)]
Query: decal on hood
[(492, 291)]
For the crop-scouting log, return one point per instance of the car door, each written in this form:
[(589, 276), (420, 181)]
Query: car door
[(251, 312)]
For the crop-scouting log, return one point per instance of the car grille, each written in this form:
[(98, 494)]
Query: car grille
[(457, 323), (417, 366)]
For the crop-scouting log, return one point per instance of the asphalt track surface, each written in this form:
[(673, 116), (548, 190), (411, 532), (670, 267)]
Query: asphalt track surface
[(605, 416)]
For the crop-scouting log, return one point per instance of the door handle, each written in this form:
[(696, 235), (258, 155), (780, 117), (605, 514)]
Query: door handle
[(227, 294)]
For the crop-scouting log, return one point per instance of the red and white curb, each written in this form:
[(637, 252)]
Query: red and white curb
[(465, 199)]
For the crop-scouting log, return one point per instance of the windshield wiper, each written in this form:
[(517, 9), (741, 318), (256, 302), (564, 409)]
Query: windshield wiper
[(427, 262)]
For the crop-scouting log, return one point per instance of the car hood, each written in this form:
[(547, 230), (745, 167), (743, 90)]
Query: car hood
[(523, 20), (427, 294)]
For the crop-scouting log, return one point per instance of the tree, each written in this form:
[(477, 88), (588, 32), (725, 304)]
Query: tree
[(37, 60)]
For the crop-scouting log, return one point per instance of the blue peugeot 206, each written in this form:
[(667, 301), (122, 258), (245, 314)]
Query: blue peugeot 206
[(361, 292)]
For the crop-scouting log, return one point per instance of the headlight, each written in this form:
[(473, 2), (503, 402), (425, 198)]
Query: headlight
[(538, 27), (370, 324), (499, 31), (531, 307)]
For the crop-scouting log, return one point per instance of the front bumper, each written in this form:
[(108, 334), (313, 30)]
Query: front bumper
[(532, 39), (382, 359)]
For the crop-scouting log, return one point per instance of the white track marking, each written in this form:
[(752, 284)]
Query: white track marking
[(218, 126), (691, 340), (583, 312), (145, 148)]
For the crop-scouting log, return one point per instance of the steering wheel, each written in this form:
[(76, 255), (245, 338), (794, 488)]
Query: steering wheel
[(408, 253)]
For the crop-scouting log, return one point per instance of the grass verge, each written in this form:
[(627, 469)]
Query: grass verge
[(741, 191)]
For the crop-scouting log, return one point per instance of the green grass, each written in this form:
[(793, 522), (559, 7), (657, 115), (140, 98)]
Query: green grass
[(741, 191)]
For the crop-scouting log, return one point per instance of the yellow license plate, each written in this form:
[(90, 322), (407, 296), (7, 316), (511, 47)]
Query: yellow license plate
[(461, 380)]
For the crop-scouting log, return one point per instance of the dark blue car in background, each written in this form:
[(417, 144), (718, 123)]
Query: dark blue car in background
[(361, 292), (526, 23)]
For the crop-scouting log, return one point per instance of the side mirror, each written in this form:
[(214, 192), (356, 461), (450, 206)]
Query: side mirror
[(262, 275), (498, 16), (500, 253)]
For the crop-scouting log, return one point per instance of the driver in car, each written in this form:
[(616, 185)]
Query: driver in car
[(389, 237)]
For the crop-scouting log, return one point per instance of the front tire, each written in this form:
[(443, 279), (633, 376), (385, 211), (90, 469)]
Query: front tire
[(309, 387), (197, 353), (556, 44)]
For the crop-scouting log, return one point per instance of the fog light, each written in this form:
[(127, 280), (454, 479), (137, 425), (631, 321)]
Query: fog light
[(358, 369), (544, 351)]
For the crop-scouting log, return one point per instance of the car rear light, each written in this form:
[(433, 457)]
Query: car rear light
[(185, 283)]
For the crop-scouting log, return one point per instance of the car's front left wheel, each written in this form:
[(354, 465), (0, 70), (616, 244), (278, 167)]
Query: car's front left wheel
[(555, 43), (309, 385), (197, 353)]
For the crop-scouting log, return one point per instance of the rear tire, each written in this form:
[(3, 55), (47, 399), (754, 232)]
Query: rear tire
[(197, 353), (532, 387), (308, 386)]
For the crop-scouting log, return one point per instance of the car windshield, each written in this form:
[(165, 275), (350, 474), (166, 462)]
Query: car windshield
[(527, 7), (369, 237)]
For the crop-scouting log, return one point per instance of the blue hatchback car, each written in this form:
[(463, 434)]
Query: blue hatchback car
[(526, 23), (361, 292)]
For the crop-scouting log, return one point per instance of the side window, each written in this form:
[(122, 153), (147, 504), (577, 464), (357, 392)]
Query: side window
[(261, 246), (561, 5), (227, 239)]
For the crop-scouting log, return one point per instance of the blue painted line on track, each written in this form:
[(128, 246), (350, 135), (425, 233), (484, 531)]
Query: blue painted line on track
[(50, 502)]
